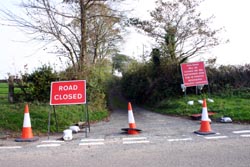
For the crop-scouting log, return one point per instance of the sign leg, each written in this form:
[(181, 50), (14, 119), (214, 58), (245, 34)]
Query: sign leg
[(88, 117), (49, 117), (54, 109), (86, 124)]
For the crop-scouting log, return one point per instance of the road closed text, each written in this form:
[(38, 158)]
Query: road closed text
[(68, 96)]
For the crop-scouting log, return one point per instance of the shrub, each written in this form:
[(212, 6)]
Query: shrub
[(39, 83)]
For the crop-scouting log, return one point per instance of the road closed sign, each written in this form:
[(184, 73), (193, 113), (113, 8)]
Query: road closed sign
[(68, 92), (194, 74)]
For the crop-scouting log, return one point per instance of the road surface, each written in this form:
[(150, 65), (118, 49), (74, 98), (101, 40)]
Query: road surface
[(164, 141)]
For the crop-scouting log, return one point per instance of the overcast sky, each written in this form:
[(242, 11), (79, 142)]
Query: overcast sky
[(233, 15)]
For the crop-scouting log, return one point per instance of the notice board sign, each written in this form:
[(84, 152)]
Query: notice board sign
[(194, 74), (68, 92)]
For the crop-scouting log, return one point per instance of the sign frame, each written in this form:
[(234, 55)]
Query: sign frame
[(66, 86)]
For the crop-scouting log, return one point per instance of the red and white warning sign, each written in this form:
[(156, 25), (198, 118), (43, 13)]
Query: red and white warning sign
[(68, 92), (194, 74)]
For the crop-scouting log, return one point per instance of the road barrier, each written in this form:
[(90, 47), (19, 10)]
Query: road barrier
[(27, 135), (205, 128), (132, 130)]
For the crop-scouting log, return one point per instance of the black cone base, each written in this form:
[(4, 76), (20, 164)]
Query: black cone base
[(204, 133), (27, 140), (127, 129), (131, 131)]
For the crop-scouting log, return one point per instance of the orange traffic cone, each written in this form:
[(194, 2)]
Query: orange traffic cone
[(205, 128), (131, 121), (27, 135)]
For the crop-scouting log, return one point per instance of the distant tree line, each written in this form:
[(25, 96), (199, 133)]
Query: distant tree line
[(150, 84), (229, 77)]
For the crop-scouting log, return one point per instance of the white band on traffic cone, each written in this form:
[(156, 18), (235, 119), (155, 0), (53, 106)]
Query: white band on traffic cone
[(26, 121), (131, 117), (204, 116)]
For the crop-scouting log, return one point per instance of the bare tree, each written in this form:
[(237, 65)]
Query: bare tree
[(65, 24), (103, 33), (179, 29)]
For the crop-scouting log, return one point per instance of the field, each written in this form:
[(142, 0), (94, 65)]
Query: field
[(3, 92), (3, 88), (235, 107)]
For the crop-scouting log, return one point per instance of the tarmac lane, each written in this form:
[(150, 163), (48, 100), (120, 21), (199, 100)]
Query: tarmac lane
[(164, 141)]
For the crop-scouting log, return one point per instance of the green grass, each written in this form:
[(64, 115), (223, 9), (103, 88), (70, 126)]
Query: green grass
[(11, 117), (236, 107), (3, 88), (3, 93)]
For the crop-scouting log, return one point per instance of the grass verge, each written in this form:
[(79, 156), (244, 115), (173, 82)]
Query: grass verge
[(234, 107), (11, 117)]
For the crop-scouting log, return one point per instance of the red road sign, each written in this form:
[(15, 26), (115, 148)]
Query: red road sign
[(194, 74), (68, 92)]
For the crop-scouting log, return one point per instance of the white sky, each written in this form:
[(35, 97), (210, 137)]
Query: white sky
[(233, 15)]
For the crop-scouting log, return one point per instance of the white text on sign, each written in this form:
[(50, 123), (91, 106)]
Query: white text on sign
[(67, 96)]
